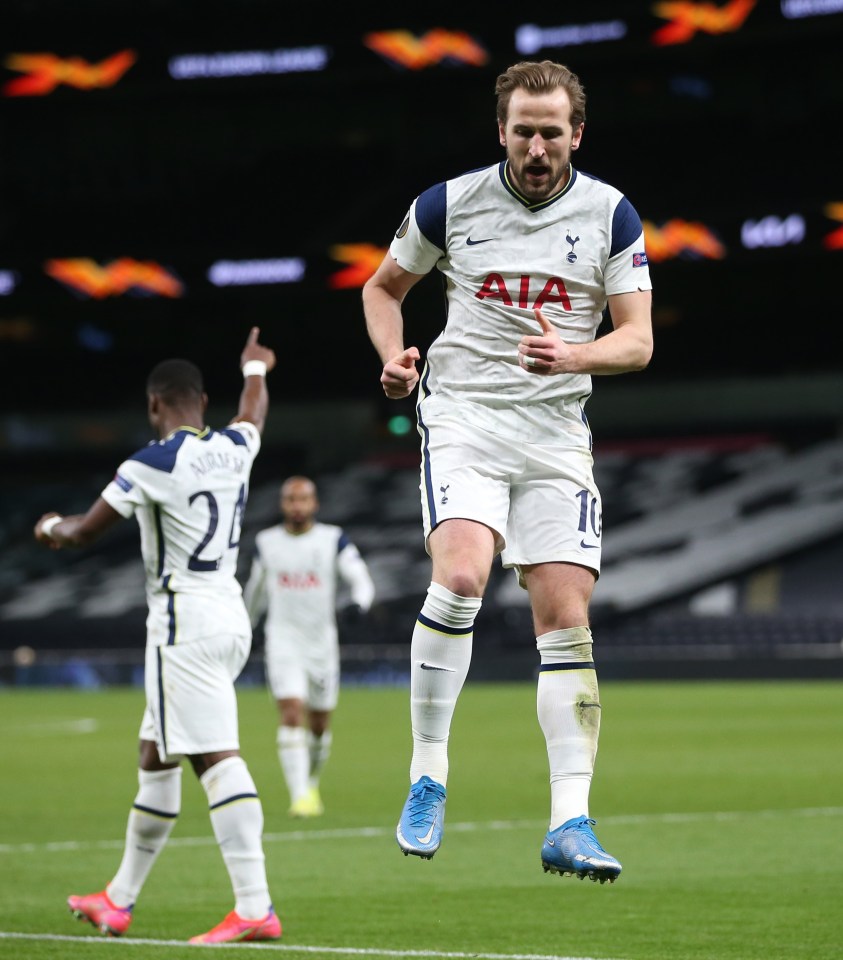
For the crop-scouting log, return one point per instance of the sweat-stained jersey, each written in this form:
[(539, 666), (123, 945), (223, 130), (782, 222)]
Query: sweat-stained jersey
[(501, 256), (294, 578), (188, 493)]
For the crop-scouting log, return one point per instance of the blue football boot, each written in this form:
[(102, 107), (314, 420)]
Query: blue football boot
[(422, 819), (573, 850)]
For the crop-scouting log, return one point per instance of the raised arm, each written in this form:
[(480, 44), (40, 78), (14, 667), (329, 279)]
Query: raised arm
[(256, 361), (383, 294), (77, 530)]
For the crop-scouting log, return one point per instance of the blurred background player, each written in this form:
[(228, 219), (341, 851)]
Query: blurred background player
[(188, 491), (295, 575)]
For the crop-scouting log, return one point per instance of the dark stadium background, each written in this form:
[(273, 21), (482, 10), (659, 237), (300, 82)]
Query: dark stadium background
[(721, 129), (718, 120)]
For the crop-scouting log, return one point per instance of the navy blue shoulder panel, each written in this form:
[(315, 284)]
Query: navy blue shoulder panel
[(343, 542), (161, 454), (626, 227), (430, 214), (626, 224), (236, 436)]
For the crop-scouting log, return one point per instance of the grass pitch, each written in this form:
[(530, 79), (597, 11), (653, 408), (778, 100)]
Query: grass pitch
[(723, 801)]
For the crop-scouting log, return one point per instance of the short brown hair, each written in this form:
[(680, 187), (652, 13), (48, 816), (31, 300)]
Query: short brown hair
[(542, 76)]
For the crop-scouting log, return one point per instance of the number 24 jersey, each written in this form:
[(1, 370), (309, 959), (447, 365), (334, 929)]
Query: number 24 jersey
[(188, 493)]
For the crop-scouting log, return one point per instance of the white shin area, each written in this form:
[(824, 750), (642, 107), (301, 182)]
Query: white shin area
[(568, 708)]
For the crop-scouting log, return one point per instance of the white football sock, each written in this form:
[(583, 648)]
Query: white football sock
[(151, 821), (440, 656), (568, 707), (295, 759), (319, 749), (237, 819)]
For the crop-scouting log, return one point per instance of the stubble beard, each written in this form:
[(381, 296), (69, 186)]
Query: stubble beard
[(540, 191)]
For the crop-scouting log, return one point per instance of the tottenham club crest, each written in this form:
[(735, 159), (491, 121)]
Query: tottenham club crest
[(571, 257)]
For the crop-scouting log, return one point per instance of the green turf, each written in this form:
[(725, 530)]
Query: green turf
[(724, 802)]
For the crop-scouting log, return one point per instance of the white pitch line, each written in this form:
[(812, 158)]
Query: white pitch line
[(294, 948), (716, 816), (52, 727)]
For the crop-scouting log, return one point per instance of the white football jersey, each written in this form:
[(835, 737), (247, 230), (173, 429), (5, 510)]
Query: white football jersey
[(294, 579), (188, 493), (501, 256)]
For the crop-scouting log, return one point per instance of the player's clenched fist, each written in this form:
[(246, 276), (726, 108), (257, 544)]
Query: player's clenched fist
[(400, 376), (44, 527)]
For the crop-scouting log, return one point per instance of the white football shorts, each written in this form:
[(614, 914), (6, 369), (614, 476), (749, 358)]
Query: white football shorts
[(314, 682), (177, 618), (541, 500), (191, 703)]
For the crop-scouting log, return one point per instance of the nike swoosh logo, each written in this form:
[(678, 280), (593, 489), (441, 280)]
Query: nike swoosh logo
[(429, 666), (473, 243), (588, 546), (429, 834), (551, 843)]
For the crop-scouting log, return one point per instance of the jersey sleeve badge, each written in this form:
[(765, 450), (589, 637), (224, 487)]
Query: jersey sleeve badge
[(124, 484)]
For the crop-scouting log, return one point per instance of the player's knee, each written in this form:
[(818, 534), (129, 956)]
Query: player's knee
[(449, 607), (559, 613), (319, 725), (292, 713), (465, 583)]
